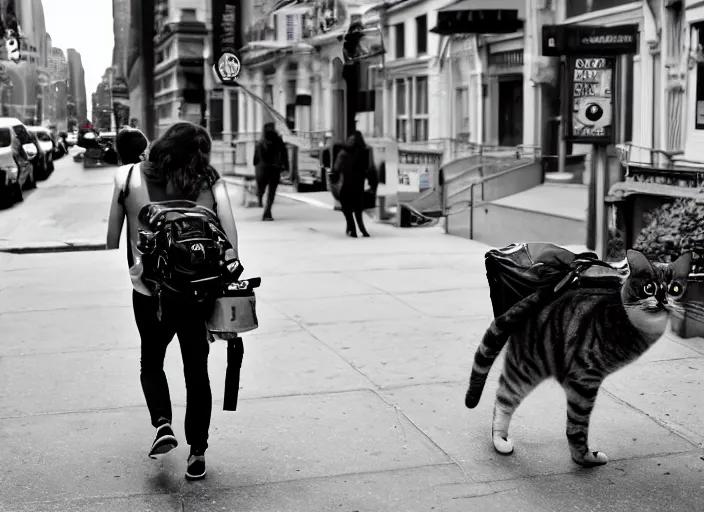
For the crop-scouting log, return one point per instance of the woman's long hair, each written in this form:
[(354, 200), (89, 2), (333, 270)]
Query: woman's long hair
[(182, 156), (357, 140)]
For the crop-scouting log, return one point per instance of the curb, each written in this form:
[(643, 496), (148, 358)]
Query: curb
[(54, 247)]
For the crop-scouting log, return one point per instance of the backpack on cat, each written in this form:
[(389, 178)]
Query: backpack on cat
[(540, 270)]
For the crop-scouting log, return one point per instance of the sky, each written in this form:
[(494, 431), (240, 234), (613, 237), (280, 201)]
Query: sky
[(85, 25)]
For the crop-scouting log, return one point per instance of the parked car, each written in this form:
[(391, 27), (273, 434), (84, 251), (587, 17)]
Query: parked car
[(45, 160), (16, 153), (97, 145), (71, 138)]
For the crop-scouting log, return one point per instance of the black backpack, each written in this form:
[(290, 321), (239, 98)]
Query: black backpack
[(185, 252), (520, 270)]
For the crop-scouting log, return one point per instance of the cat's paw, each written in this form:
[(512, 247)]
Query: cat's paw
[(503, 445), (591, 459)]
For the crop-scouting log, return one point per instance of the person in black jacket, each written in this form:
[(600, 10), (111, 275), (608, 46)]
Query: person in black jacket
[(352, 166), (270, 159)]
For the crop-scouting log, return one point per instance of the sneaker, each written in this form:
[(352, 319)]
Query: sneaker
[(196, 465), (267, 217), (164, 442)]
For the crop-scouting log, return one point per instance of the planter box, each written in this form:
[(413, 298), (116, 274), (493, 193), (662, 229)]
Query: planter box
[(692, 324)]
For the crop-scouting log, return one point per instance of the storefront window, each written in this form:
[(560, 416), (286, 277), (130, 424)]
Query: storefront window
[(401, 111), (578, 7), (420, 112), (699, 97)]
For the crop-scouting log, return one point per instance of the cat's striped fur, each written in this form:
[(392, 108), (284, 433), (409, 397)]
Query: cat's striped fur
[(578, 338)]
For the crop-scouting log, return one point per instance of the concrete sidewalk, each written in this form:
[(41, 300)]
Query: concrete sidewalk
[(352, 391)]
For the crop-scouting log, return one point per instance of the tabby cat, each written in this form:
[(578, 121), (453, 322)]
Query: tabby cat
[(578, 338)]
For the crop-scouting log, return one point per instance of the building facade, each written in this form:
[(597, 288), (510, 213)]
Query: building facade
[(58, 73), (23, 91), (102, 104), (690, 67), (121, 29), (77, 105), (294, 62), (179, 46)]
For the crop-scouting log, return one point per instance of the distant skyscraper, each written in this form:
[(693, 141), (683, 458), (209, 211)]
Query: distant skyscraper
[(77, 105), (58, 71)]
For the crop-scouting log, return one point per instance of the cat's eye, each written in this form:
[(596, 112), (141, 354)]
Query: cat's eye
[(675, 289), (650, 289)]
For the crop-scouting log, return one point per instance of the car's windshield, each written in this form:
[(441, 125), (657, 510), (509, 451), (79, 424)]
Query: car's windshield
[(5, 137), (43, 136)]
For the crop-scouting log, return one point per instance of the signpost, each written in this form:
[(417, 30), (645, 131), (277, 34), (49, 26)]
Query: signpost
[(227, 40), (588, 102)]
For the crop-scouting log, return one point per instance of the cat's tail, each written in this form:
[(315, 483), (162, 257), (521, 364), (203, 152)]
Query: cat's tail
[(494, 340)]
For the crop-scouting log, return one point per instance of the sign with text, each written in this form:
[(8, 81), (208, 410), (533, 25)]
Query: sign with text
[(415, 170), (589, 40), (227, 40), (591, 83)]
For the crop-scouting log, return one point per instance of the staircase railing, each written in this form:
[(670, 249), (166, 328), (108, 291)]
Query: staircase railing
[(452, 205)]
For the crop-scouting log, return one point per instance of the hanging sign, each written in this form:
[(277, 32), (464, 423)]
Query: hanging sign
[(227, 40), (591, 107), (589, 39)]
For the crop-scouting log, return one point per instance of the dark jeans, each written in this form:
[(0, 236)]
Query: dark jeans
[(352, 208), (267, 177), (188, 323)]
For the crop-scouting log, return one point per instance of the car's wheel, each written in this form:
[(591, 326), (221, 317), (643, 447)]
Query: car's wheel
[(6, 198)]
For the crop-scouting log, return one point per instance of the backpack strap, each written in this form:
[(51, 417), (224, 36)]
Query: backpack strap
[(215, 201), (124, 192)]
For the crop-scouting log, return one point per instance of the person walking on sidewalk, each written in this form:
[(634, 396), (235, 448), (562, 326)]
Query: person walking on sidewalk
[(350, 171), (270, 159), (177, 167), (130, 145)]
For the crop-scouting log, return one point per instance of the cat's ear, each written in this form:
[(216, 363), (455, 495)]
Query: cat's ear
[(683, 266), (637, 262)]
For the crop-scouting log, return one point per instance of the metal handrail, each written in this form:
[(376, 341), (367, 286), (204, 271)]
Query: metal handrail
[(444, 198)]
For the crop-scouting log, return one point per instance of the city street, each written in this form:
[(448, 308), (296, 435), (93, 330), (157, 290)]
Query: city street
[(352, 391)]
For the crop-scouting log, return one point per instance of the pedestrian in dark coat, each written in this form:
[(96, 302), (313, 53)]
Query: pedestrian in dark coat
[(352, 166), (270, 159)]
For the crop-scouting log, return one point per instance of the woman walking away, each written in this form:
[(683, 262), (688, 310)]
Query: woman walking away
[(352, 166), (270, 159), (177, 168)]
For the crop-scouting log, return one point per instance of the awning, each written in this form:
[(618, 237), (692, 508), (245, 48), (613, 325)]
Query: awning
[(481, 17)]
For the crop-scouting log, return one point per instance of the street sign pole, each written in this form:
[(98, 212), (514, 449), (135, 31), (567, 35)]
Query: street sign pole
[(600, 178)]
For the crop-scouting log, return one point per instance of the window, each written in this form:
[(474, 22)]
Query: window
[(164, 111), (699, 96), (292, 27), (5, 138), (22, 134), (420, 110), (461, 108), (401, 111), (422, 35), (188, 15), (400, 35)]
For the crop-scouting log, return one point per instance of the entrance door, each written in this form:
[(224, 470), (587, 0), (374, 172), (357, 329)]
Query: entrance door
[(510, 113)]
